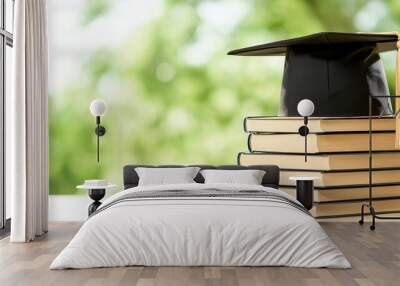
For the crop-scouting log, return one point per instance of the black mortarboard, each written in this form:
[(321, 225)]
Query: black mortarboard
[(337, 71)]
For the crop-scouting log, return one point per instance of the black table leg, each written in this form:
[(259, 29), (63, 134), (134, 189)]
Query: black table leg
[(305, 193), (96, 195)]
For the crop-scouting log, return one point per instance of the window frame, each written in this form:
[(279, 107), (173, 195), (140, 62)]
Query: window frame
[(6, 39)]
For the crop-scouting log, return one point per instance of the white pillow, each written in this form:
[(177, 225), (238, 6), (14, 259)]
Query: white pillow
[(165, 176), (247, 177)]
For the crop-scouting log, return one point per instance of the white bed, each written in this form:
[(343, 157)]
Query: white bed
[(206, 230)]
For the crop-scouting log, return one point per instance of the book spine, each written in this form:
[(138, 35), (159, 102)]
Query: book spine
[(249, 143), (238, 158), (245, 124)]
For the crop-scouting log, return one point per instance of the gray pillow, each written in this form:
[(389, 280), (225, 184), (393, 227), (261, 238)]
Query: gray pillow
[(247, 177), (165, 176)]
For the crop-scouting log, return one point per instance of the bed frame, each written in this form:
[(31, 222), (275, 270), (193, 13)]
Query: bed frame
[(270, 179)]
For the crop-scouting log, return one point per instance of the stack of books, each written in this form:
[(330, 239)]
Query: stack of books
[(337, 154)]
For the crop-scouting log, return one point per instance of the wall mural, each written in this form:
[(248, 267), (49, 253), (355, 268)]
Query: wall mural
[(172, 93)]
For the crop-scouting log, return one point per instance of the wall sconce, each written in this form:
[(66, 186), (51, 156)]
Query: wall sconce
[(305, 108), (98, 108)]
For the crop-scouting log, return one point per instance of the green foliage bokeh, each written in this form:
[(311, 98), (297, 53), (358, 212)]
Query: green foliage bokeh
[(173, 99)]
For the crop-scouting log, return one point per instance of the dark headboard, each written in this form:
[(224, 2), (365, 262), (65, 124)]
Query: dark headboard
[(271, 177)]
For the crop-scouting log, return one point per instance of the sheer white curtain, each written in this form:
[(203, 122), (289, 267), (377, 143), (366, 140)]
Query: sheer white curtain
[(26, 123)]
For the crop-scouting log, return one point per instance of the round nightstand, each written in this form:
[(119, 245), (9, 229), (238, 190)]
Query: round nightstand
[(96, 193), (305, 190)]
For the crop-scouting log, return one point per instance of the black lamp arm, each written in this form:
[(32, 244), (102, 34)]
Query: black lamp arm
[(303, 131), (99, 131)]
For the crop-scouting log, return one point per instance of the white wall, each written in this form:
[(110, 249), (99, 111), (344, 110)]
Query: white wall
[(68, 207)]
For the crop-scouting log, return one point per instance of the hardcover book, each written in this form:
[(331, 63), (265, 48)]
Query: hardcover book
[(322, 143), (349, 193), (340, 179), (257, 124), (326, 210), (322, 162)]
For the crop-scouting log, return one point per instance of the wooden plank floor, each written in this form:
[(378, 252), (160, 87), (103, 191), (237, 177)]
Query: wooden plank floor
[(375, 257)]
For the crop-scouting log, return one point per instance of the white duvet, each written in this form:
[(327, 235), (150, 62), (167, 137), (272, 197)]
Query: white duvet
[(200, 231)]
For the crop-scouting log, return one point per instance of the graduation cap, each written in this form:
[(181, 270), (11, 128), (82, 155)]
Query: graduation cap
[(337, 71)]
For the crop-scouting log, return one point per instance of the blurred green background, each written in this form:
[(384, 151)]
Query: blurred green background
[(173, 94)]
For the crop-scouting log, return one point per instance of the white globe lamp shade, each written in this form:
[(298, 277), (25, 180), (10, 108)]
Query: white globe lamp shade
[(98, 107), (305, 107)]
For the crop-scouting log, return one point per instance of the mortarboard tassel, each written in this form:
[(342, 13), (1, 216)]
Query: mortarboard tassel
[(397, 93)]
